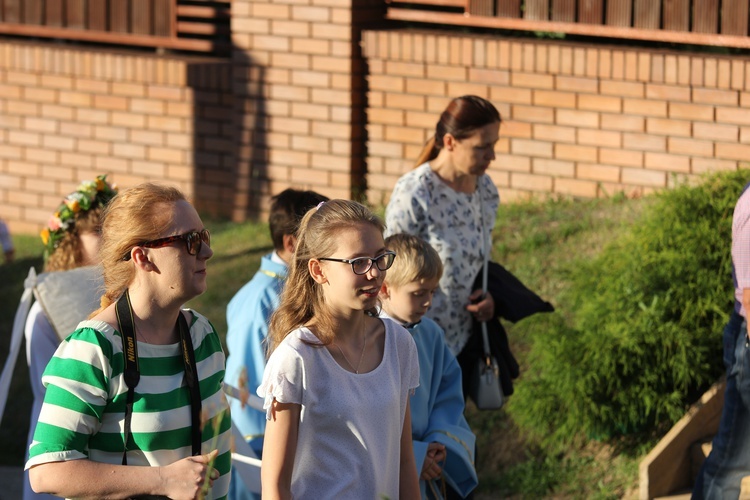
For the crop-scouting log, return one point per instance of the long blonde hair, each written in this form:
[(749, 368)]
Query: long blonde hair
[(302, 299), (139, 214)]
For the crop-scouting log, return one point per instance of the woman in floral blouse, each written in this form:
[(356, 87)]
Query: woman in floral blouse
[(449, 201)]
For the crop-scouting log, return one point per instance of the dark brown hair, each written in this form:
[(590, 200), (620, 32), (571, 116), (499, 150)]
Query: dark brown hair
[(463, 116), (287, 209)]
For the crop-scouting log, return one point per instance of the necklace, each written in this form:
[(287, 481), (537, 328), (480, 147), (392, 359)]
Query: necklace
[(362, 354)]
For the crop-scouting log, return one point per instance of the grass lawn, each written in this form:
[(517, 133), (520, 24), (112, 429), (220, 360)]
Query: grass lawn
[(537, 241)]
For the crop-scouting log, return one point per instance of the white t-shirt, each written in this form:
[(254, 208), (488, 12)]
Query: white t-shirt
[(349, 437)]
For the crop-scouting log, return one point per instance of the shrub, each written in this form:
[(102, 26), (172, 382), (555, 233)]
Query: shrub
[(637, 336)]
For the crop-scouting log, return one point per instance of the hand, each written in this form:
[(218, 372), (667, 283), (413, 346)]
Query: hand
[(482, 305), (183, 479), (431, 468)]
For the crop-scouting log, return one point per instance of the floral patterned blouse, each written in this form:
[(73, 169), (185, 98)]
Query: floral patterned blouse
[(423, 205)]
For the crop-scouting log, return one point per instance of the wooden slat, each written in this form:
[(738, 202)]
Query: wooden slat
[(141, 17), (508, 8), (164, 22), (439, 3), (218, 12), (53, 13), (591, 11), (563, 11), (119, 16), (32, 11), (12, 11), (75, 14), (646, 14), (117, 38), (734, 17), (742, 42), (619, 13), (536, 10), (206, 29), (706, 16), (676, 15), (96, 15), (481, 7)]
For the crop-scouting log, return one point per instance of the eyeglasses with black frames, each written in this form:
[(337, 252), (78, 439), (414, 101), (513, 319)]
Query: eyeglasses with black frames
[(362, 265), (194, 241)]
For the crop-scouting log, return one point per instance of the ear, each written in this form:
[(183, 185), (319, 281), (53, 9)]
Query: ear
[(449, 142), (140, 258), (384, 291), (316, 271), (290, 243)]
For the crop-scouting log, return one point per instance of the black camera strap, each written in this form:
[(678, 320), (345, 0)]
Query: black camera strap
[(132, 374)]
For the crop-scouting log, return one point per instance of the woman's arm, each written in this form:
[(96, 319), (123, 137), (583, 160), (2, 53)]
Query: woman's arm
[(85, 479), (279, 449), (408, 486)]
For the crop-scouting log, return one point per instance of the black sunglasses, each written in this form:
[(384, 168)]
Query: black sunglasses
[(194, 241), (362, 265)]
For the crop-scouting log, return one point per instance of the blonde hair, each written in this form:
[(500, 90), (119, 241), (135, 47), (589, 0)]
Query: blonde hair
[(302, 299), (416, 260), (68, 253), (136, 215)]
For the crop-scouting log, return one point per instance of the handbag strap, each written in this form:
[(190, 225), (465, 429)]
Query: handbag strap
[(485, 252), (132, 375)]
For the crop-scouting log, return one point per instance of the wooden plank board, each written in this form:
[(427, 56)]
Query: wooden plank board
[(734, 17), (164, 22), (141, 17), (646, 14), (421, 16), (591, 11), (32, 12), (53, 13), (666, 469), (119, 16), (619, 13), (96, 16), (706, 16), (508, 8), (563, 11), (75, 14), (11, 11), (481, 7), (676, 15), (537, 10)]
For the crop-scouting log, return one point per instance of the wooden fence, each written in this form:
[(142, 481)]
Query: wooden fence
[(200, 26), (703, 22)]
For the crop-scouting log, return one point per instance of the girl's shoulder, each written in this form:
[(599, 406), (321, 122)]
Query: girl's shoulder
[(396, 333), (300, 339)]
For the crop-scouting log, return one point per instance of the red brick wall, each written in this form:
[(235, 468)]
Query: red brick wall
[(309, 100), (69, 114), (299, 76), (580, 120)]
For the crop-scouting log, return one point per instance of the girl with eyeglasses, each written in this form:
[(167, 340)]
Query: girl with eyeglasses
[(134, 403), (338, 378)]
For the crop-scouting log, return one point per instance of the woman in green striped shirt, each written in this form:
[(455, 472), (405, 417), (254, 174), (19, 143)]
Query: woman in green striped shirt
[(173, 440)]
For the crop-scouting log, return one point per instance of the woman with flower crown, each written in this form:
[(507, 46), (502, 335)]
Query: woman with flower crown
[(71, 240)]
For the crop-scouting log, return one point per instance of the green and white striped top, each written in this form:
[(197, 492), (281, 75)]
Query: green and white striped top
[(84, 405)]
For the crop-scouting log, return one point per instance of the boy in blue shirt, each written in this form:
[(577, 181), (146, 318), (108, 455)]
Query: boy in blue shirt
[(443, 442)]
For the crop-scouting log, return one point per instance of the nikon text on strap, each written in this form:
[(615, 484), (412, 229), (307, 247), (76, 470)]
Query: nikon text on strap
[(131, 373)]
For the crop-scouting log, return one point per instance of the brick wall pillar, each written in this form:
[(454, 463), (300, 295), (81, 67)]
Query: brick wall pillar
[(300, 89)]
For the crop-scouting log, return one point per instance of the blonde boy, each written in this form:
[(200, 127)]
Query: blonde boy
[(443, 442)]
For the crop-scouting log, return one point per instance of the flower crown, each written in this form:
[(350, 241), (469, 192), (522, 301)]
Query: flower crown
[(88, 195)]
